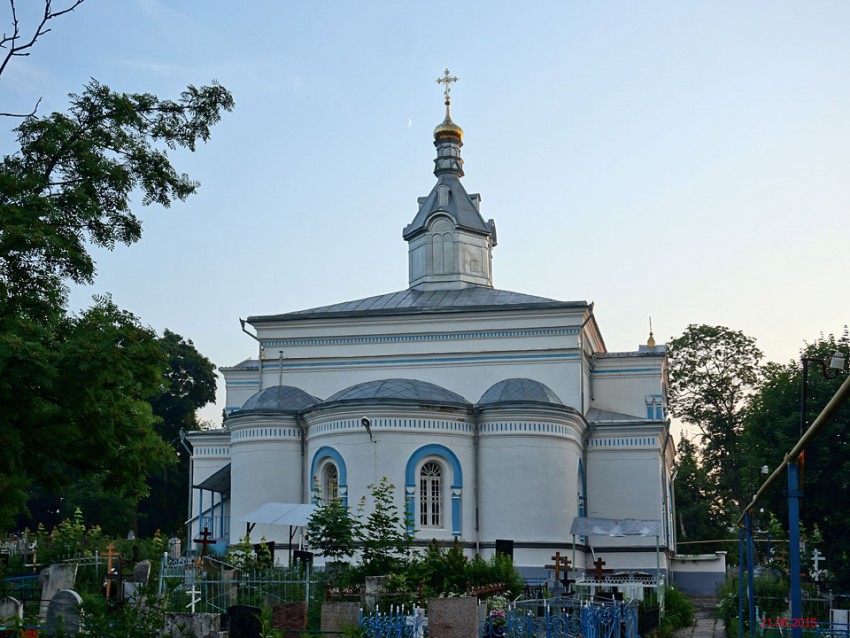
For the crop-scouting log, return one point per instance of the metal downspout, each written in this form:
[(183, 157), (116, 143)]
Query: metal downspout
[(242, 322), (476, 441)]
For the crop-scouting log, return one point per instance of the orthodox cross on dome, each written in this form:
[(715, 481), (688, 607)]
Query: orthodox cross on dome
[(447, 79)]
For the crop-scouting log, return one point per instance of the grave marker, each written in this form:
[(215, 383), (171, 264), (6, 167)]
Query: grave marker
[(243, 621), (63, 614), (204, 540), (54, 579), (599, 573), (11, 611)]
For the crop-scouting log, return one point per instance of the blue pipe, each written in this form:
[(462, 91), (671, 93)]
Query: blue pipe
[(794, 494), (750, 588), (740, 583)]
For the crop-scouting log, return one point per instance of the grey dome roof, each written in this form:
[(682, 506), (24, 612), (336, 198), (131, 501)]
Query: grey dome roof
[(405, 389), (520, 391), (280, 398)]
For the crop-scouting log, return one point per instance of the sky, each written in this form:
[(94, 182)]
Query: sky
[(682, 160)]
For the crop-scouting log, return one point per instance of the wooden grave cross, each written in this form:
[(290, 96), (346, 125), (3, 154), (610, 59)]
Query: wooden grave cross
[(558, 566), (598, 573), (110, 554), (205, 540)]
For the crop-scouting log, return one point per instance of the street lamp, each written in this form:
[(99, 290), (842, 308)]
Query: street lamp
[(795, 491)]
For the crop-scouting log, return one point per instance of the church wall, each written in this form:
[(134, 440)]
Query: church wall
[(624, 481), (464, 353), (266, 467), (211, 452), (529, 480), (630, 385), (398, 433)]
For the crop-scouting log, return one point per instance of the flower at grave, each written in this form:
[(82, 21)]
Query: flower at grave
[(498, 618)]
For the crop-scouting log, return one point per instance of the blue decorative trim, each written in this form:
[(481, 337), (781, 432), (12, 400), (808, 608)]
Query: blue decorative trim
[(255, 382), (625, 442), (326, 452), (421, 360), (534, 428), (431, 336), (626, 370), (388, 424), (441, 451), (264, 433)]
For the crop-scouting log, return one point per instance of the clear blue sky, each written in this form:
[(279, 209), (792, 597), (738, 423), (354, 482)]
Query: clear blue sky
[(684, 160)]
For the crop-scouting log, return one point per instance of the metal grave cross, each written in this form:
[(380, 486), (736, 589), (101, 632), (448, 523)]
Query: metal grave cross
[(194, 601), (559, 566), (598, 573), (205, 540), (817, 557), (447, 80), (110, 554)]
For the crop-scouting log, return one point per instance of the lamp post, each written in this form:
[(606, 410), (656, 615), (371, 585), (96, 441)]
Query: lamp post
[(795, 491)]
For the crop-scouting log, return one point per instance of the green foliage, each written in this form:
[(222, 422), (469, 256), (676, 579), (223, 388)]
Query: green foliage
[(449, 571), (772, 429), (699, 516), (713, 373), (75, 390), (332, 529), (770, 593), (384, 539), (679, 612)]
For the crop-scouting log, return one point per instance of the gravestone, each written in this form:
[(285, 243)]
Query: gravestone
[(174, 548), (290, 616), (63, 614), (373, 589), (243, 621), (453, 617), (11, 611), (338, 616), (185, 625), (141, 575), (54, 579)]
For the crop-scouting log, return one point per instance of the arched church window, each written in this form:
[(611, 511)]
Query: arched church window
[(330, 483), (431, 495)]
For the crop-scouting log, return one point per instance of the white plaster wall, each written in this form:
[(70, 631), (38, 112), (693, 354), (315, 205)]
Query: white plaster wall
[(388, 453), (624, 482), (622, 384), (265, 467), (528, 487)]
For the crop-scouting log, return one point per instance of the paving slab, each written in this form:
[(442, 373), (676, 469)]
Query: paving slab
[(706, 622)]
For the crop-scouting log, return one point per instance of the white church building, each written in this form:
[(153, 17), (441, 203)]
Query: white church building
[(497, 415)]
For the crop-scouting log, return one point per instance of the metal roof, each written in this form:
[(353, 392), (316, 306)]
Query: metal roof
[(217, 482), (279, 398), (425, 301), (615, 527), (520, 391), (292, 514), (406, 389), (459, 206)]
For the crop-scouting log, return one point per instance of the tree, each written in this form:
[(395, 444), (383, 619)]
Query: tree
[(332, 529), (384, 537), (16, 44), (74, 401), (698, 516), (75, 390), (773, 428), (189, 384), (713, 373)]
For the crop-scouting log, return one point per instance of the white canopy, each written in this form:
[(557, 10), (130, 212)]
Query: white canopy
[(615, 527), (292, 514)]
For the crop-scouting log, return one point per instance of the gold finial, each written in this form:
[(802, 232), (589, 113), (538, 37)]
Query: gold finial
[(651, 341), (447, 80)]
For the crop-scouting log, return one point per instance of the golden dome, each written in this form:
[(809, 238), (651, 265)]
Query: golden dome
[(447, 128)]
